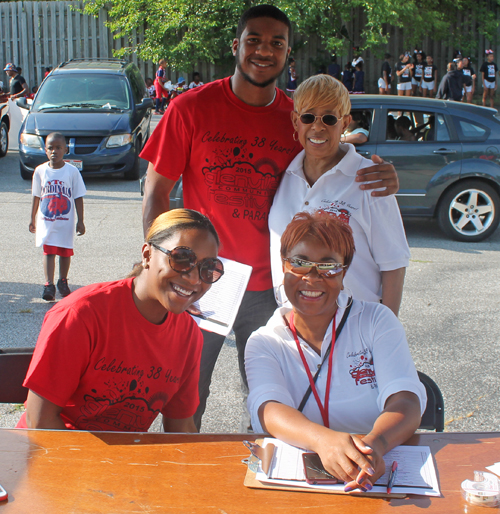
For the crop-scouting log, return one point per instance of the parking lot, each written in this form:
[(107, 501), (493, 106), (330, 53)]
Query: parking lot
[(450, 308)]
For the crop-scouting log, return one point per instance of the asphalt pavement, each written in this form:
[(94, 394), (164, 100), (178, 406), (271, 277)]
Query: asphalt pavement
[(450, 308)]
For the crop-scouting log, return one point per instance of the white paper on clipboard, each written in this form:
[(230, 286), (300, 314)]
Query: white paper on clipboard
[(219, 306)]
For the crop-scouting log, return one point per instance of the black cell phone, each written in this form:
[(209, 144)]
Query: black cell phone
[(315, 472)]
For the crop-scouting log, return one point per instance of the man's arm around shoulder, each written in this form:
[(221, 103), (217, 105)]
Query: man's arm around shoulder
[(157, 189)]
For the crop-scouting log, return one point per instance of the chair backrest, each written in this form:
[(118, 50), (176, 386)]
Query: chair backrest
[(433, 418), (14, 364)]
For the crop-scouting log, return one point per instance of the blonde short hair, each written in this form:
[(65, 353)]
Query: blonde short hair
[(320, 91)]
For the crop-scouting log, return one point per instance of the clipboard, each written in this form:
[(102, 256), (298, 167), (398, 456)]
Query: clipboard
[(253, 483)]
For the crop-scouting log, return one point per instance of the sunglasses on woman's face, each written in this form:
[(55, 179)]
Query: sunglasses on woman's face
[(183, 260), (328, 119), (324, 269)]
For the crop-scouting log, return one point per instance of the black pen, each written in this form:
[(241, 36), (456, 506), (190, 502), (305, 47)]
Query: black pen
[(392, 477)]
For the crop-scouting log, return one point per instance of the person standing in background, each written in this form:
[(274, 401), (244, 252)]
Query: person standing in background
[(384, 82), (416, 76), (403, 71), (334, 69), (428, 83), (468, 70), (489, 71), (291, 85), (17, 83)]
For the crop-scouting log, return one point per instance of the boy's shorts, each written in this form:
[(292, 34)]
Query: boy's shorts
[(489, 85), (57, 250), (468, 89), (415, 82), (404, 86), (427, 85)]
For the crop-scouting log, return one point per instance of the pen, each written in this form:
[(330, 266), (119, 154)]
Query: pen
[(392, 477)]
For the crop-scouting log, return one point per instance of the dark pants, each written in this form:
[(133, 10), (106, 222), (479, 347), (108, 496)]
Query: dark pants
[(255, 310)]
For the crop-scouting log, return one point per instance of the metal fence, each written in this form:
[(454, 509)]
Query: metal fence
[(35, 35)]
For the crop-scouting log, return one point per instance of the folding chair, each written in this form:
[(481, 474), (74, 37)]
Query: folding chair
[(433, 418), (14, 364)]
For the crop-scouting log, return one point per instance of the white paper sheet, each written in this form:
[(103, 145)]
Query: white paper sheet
[(416, 471), (494, 468), (219, 306)]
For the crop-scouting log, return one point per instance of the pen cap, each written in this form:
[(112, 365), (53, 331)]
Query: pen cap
[(484, 490)]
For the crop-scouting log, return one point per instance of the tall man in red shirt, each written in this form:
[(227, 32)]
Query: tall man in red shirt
[(231, 140)]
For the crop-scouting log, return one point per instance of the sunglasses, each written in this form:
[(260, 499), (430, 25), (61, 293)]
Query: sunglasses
[(183, 260), (324, 269), (328, 119)]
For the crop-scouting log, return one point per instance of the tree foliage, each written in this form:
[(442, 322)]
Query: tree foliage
[(188, 31)]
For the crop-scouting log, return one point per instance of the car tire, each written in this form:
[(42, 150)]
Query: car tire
[(25, 174), (469, 211), (135, 172), (4, 139)]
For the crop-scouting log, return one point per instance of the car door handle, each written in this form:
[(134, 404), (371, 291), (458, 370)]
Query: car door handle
[(364, 153), (444, 151)]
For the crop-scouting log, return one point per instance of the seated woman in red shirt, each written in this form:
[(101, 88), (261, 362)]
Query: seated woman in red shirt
[(112, 356)]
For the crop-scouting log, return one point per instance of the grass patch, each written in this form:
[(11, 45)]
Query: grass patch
[(26, 311)]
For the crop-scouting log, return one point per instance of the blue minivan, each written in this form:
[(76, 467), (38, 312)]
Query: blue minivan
[(102, 108)]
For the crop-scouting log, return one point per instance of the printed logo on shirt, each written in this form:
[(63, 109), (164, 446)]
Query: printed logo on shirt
[(491, 71), (428, 72), (55, 200), (361, 368), (339, 208), (235, 179), (124, 401)]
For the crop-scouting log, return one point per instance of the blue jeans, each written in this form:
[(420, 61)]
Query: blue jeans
[(255, 310)]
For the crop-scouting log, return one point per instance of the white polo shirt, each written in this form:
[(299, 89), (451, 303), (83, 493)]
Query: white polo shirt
[(371, 361), (376, 223)]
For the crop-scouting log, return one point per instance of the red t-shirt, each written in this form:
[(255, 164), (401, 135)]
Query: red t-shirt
[(231, 156), (109, 367)]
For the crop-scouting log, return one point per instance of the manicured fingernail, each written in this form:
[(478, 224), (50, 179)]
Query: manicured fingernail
[(369, 487), (369, 447), (363, 489), (347, 489), (359, 480), (371, 471)]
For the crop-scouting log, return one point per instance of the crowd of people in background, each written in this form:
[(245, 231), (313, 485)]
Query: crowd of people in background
[(414, 75)]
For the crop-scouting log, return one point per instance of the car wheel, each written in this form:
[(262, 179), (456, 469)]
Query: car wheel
[(25, 174), (4, 139), (469, 211), (135, 172)]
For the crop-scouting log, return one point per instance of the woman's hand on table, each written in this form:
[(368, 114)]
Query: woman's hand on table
[(365, 481), (344, 455)]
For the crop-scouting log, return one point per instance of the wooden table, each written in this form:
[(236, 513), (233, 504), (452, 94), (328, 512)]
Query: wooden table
[(59, 472)]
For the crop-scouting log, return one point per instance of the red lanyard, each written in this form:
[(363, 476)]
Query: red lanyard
[(322, 408)]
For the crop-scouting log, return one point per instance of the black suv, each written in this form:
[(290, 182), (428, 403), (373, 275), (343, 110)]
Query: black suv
[(102, 108)]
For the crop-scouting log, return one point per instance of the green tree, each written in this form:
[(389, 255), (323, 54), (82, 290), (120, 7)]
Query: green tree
[(188, 31)]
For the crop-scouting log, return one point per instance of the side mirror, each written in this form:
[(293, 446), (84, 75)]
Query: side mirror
[(147, 103), (23, 103)]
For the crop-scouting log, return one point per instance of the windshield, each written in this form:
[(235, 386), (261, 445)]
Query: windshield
[(76, 92)]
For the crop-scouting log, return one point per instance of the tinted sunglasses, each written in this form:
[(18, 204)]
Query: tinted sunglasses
[(324, 269), (183, 260), (328, 119)]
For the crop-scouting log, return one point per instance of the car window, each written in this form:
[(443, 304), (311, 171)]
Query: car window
[(136, 83), (470, 131), (76, 91), (358, 131), (416, 126)]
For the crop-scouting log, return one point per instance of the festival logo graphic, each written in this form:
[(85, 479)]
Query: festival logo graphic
[(236, 178), (339, 210), (55, 200), (361, 370)]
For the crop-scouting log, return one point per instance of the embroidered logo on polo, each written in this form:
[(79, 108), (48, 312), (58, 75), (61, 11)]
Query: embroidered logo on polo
[(339, 208), (236, 178), (361, 368), (55, 200)]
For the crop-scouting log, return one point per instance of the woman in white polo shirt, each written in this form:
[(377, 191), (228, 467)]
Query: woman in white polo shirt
[(366, 380), (322, 176)]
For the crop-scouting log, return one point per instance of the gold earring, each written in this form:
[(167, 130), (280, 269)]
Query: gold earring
[(342, 136), (295, 136)]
